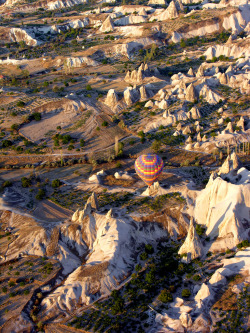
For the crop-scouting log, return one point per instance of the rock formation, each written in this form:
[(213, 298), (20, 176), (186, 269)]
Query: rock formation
[(199, 137), (143, 93), (200, 72), (92, 200), (190, 93), (229, 127), (186, 130), (194, 113), (190, 72), (131, 96), (112, 98), (224, 78), (136, 76), (232, 163), (107, 25), (223, 206), (192, 243), (209, 95), (240, 124), (157, 2), (170, 13), (204, 296)]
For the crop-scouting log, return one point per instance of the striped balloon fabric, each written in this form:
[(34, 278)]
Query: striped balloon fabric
[(149, 167)]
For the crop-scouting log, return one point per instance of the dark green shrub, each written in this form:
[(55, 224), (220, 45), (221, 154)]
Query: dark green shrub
[(56, 183), (185, 293), (40, 195), (165, 296), (25, 182)]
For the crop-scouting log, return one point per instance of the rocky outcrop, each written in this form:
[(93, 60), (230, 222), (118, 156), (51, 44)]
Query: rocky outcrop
[(131, 19), (137, 76), (232, 163), (112, 98), (107, 25), (223, 206), (229, 128), (92, 200), (200, 72), (143, 93), (224, 78), (112, 244), (232, 51), (194, 113), (192, 243), (190, 93), (79, 61), (241, 124), (170, 13), (157, 2), (186, 130), (204, 296), (131, 96), (209, 95), (190, 72), (18, 35)]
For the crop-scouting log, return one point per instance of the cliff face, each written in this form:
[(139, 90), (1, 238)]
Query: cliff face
[(112, 244), (223, 207), (18, 35)]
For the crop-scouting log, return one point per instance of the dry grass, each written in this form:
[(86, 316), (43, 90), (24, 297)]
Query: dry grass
[(228, 299), (112, 181)]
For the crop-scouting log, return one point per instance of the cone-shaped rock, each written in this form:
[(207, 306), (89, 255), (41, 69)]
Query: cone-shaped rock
[(192, 243)]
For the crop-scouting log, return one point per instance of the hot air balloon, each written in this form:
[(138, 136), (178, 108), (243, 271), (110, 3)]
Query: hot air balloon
[(149, 167)]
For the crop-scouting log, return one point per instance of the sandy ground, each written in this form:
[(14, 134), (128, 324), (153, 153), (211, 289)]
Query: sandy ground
[(36, 131), (51, 212)]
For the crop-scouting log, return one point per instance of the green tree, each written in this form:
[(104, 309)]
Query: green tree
[(56, 183), (118, 305), (156, 145), (165, 296), (185, 293), (40, 195), (25, 182)]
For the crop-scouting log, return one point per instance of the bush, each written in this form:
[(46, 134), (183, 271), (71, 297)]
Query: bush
[(40, 195), (88, 87), (26, 292), (185, 293), (165, 296), (143, 256), (56, 183), (138, 268), (6, 143), (156, 146), (242, 244), (14, 127), (7, 183), (25, 182), (20, 104), (149, 249), (11, 283), (117, 306), (197, 277), (118, 164), (105, 124), (82, 143), (199, 229), (36, 116)]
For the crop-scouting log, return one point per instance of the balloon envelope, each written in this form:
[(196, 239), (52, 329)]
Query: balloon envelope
[(149, 167)]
